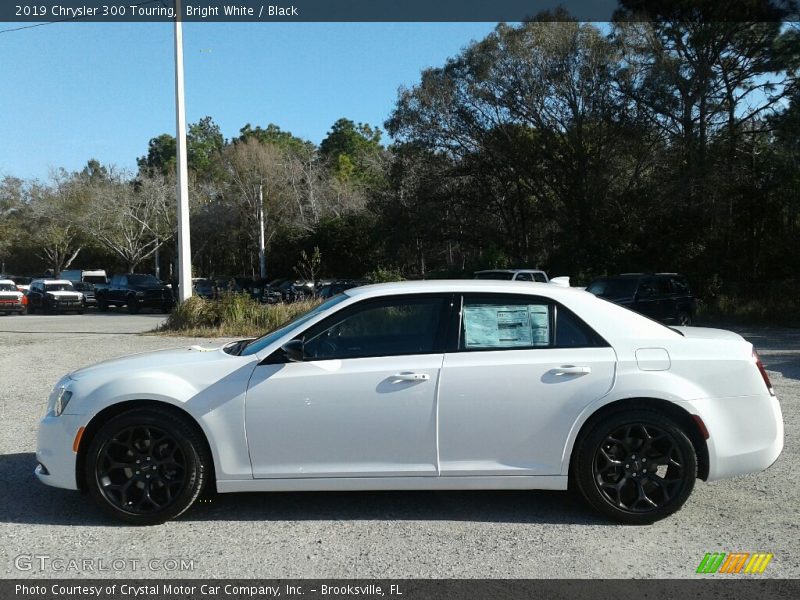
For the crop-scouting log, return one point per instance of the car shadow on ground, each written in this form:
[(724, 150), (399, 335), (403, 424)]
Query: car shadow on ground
[(34, 503)]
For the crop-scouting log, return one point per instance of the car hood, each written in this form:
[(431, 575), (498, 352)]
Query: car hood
[(64, 294), (190, 357), (7, 295), (707, 333)]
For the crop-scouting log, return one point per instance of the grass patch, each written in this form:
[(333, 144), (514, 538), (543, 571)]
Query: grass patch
[(232, 315)]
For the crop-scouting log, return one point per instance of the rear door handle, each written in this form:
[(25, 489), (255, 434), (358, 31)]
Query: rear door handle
[(572, 370), (411, 377)]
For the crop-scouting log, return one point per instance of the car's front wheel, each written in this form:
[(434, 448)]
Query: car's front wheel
[(147, 466), (133, 305), (636, 467)]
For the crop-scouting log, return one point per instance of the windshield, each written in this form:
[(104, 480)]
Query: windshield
[(257, 345), (7, 287), (94, 279), (613, 288), (495, 275), (143, 280), (59, 287)]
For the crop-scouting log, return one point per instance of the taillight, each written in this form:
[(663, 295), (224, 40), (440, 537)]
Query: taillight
[(763, 372)]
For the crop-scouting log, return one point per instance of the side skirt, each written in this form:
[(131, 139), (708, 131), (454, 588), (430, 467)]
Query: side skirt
[(339, 484)]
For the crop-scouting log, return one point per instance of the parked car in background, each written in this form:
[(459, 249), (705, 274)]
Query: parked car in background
[(136, 291), (11, 299), (337, 287), (204, 288), (98, 277), (664, 297), (513, 275), (55, 295), (88, 290), (22, 283)]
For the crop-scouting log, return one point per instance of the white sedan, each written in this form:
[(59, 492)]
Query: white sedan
[(437, 385)]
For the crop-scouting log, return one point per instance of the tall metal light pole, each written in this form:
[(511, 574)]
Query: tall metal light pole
[(184, 244)]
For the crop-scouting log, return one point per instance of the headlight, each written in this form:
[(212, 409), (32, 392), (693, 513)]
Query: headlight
[(62, 399)]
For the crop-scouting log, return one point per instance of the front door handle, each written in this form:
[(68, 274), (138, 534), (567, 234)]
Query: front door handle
[(572, 370), (411, 377)]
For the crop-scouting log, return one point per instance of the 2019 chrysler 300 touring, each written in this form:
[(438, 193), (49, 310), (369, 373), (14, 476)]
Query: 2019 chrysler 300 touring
[(437, 385)]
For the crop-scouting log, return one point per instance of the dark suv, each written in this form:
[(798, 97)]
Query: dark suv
[(665, 297), (136, 292)]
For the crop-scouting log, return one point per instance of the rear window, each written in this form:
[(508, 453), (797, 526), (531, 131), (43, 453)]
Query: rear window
[(613, 288)]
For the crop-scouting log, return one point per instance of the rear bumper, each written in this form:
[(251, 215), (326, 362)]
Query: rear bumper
[(745, 433)]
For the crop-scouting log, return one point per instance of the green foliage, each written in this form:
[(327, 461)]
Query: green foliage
[(353, 150), (273, 134), (232, 315), (385, 275)]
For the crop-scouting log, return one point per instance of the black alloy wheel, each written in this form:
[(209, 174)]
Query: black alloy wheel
[(636, 467), (146, 466)]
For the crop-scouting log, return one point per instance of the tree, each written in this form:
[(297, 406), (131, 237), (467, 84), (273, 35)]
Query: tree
[(161, 156), (353, 151), (132, 218), (53, 216)]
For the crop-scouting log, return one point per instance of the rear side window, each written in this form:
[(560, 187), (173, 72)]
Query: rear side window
[(539, 277), (524, 277), (680, 285), (507, 322)]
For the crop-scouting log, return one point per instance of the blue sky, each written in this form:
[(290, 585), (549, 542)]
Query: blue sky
[(75, 91)]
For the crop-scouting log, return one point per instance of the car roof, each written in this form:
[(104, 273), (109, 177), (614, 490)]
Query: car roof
[(461, 286)]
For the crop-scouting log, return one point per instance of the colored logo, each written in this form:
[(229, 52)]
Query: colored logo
[(737, 562)]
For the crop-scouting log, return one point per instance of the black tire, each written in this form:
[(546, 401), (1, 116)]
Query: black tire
[(149, 492), (133, 305), (684, 319), (614, 460), (102, 306)]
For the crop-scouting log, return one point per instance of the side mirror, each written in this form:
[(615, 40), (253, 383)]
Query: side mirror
[(294, 350)]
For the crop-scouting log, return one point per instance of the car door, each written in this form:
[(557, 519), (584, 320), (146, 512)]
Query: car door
[(35, 296), (362, 402), (523, 371)]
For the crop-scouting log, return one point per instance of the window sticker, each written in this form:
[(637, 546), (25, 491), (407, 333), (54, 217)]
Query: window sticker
[(511, 326)]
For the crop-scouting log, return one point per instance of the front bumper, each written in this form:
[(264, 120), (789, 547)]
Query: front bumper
[(6, 306), (65, 305), (54, 450)]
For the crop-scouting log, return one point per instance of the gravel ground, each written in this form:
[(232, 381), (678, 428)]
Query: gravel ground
[(386, 534)]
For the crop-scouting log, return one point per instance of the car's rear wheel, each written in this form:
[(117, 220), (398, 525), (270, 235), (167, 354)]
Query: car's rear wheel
[(636, 467), (147, 466), (133, 305)]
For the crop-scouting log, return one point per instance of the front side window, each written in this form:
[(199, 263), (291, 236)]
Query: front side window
[(391, 327), (507, 323)]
